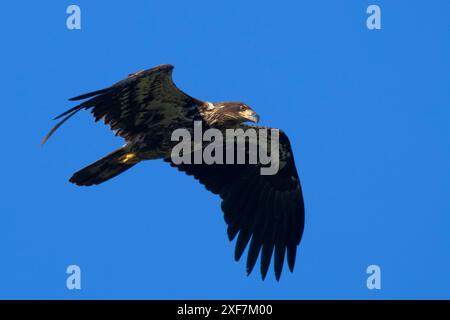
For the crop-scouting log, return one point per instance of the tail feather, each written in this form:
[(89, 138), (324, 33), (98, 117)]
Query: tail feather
[(106, 168)]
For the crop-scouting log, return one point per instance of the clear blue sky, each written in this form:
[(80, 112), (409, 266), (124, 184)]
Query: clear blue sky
[(367, 112)]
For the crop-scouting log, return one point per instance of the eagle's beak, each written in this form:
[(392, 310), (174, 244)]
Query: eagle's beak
[(251, 115), (255, 117)]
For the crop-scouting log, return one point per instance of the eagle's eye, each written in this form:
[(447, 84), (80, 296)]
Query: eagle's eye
[(243, 108)]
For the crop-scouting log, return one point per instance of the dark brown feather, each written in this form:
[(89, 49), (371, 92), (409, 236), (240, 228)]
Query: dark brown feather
[(144, 104), (266, 211)]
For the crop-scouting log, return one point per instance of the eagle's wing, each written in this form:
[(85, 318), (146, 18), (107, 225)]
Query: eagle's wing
[(148, 98), (268, 209)]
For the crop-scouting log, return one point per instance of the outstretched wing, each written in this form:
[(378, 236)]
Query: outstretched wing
[(146, 99), (266, 209)]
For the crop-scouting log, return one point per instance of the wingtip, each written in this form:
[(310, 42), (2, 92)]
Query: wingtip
[(43, 141), (277, 276), (263, 276), (291, 255), (264, 273), (291, 269), (90, 94)]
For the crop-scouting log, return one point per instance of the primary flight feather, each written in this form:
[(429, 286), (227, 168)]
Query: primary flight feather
[(265, 212)]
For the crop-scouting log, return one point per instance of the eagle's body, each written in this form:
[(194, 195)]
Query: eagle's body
[(147, 107)]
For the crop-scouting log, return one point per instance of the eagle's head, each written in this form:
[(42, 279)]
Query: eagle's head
[(229, 113)]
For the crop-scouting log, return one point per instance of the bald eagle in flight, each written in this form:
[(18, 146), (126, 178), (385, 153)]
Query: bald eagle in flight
[(145, 108)]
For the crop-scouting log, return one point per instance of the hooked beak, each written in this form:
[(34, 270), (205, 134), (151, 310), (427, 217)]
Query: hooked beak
[(251, 115)]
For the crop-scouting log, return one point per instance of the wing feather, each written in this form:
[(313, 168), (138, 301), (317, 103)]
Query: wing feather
[(143, 103), (265, 211)]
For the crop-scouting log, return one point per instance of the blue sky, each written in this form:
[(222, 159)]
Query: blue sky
[(367, 112)]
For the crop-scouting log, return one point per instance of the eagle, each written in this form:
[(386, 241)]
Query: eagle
[(265, 212)]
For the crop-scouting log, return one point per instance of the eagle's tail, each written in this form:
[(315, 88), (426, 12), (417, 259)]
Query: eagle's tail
[(106, 168)]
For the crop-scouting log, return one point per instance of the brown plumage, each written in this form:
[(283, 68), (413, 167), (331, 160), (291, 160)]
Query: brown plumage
[(145, 108)]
